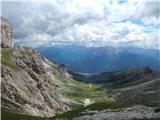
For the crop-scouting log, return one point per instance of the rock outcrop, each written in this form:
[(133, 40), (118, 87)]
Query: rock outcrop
[(27, 79), (6, 33), (130, 113)]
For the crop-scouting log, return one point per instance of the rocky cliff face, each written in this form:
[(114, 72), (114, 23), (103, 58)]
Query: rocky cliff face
[(27, 79), (6, 33)]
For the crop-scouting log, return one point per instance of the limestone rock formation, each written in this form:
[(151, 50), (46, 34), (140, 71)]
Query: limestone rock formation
[(27, 79), (6, 33)]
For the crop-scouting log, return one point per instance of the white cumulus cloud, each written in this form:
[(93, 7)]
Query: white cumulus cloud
[(85, 22)]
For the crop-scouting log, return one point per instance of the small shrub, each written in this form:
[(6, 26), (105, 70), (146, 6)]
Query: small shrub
[(157, 110), (105, 105)]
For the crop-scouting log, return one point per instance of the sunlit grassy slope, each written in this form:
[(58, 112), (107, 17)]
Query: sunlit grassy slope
[(6, 59), (7, 115), (80, 93), (84, 110)]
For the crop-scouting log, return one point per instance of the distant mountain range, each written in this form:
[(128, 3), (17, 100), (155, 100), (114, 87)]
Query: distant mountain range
[(99, 59)]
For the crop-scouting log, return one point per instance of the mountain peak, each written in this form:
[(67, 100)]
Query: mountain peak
[(147, 69)]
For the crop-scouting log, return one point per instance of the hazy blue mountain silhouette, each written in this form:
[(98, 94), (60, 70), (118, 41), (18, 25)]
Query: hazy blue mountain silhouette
[(100, 59)]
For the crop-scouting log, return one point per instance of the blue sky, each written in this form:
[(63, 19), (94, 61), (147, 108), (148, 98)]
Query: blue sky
[(122, 1), (134, 21), (86, 22)]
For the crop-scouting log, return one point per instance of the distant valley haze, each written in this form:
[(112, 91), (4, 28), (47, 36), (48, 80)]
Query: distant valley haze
[(83, 59)]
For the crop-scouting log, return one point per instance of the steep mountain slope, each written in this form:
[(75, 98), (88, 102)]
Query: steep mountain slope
[(100, 59), (27, 83), (147, 93)]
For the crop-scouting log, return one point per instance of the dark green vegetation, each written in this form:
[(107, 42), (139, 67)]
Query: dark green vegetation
[(84, 110), (157, 110), (6, 59), (7, 115), (118, 79), (105, 105), (79, 77), (25, 53)]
